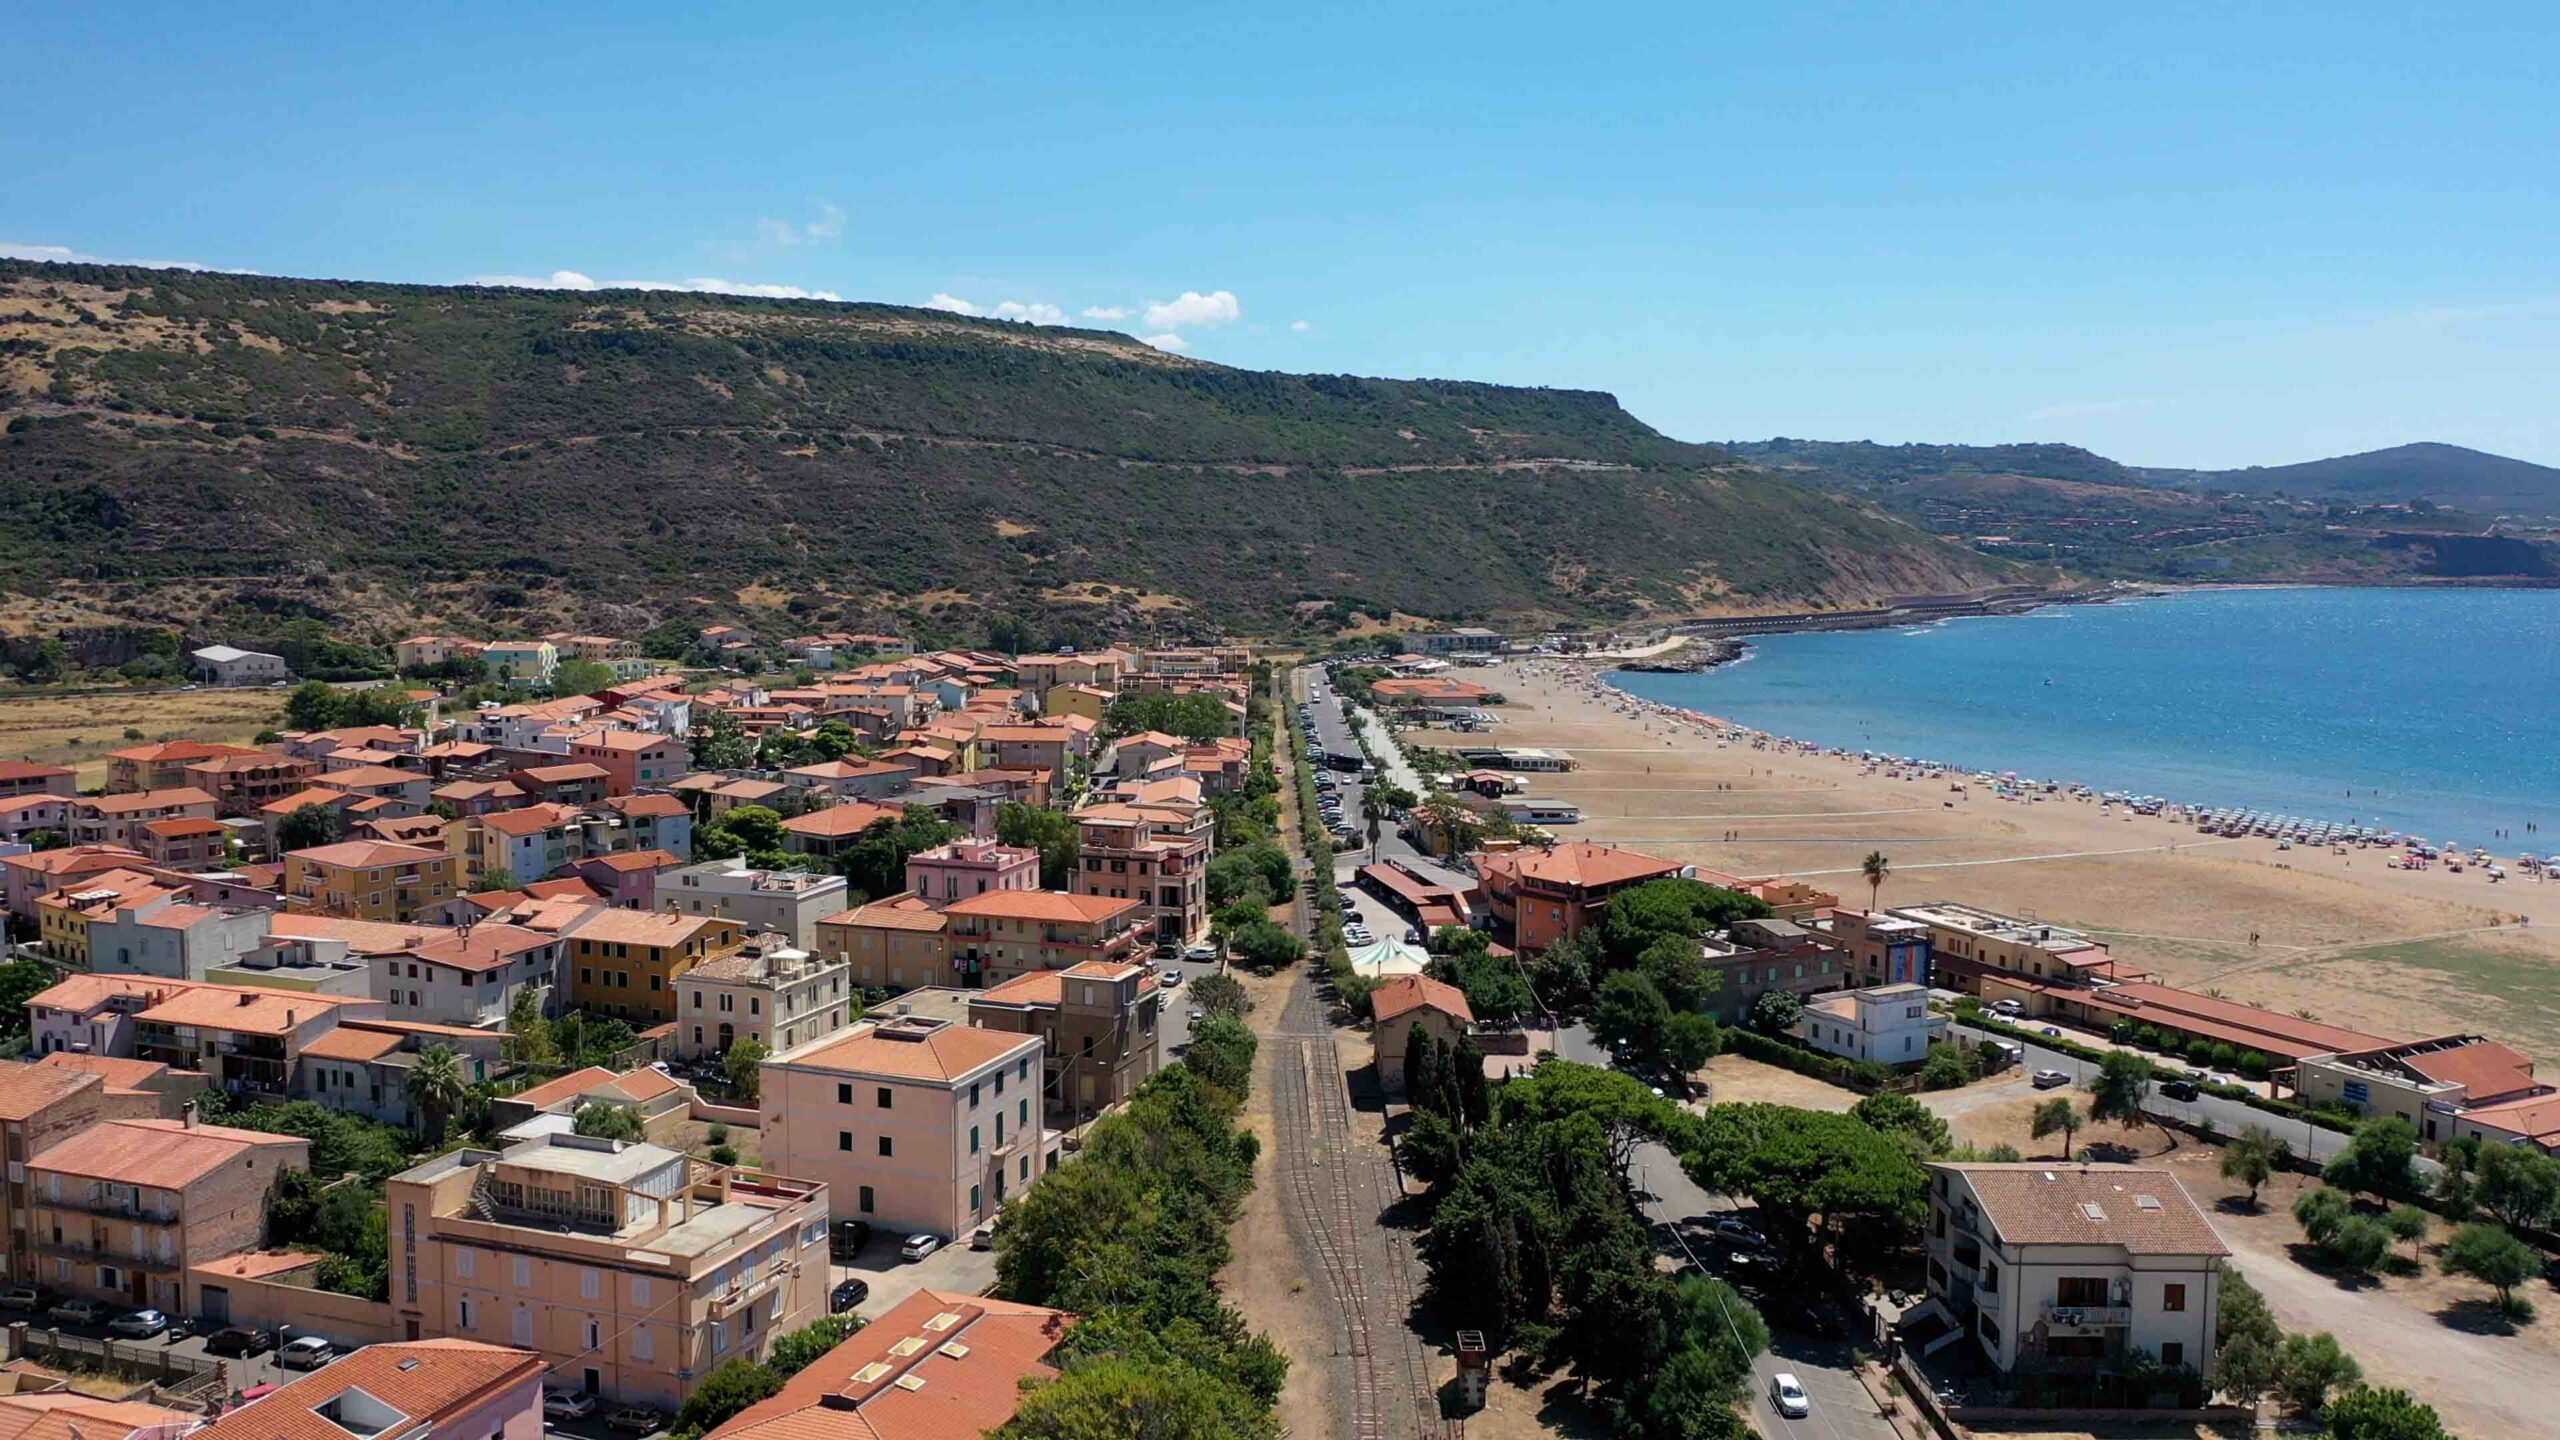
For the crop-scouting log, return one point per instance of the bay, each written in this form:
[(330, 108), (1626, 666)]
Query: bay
[(2429, 712)]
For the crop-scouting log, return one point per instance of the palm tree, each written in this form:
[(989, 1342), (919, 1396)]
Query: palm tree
[(1372, 811), (1877, 869), (437, 1088)]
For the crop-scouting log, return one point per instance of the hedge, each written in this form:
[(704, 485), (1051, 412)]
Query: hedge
[(2340, 1121), (1752, 1045)]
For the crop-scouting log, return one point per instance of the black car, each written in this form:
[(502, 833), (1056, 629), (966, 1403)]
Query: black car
[(2179, 1089), (848, 1239), (240, 1340), (848, 1296)]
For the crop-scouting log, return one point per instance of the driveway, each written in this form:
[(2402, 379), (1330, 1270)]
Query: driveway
[(954, 1267)]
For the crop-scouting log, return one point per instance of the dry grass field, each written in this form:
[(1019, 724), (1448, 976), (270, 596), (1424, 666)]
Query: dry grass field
[(79, 730)]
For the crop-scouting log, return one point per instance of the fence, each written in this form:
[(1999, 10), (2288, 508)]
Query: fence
[(154, 1360)]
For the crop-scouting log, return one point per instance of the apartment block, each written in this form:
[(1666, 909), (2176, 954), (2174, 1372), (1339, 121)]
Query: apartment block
[(1543, 894), (889, 944), (632, 1270), (1005, 933), (627, 961), (1097, 1029), (777, 994), (1889, 1024), (164, 766), (2057, 1266), (115, 819), (40, 1106), (1157, 855), (20, 778), (371, 880), (119, 1211), (954, 872), (915, 1123), (784, 902)]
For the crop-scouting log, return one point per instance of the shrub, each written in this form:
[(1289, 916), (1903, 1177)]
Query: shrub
[(2225, 1055), (2254, 1065)]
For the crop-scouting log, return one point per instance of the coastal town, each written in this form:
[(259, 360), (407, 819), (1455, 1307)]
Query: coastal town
[(692, 1052)]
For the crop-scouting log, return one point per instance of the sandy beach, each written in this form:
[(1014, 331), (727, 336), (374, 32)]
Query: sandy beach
[(2400, 953)]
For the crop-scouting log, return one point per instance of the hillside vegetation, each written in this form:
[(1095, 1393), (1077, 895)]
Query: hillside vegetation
[(187, 446)]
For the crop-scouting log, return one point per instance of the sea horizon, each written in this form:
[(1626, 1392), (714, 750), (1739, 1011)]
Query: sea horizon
[(2428, 712)]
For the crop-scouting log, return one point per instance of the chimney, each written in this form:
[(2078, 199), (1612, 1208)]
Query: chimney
[(247, 999), (187, 1115)]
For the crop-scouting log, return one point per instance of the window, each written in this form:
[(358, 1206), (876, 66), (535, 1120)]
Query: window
[(999, 1128), (2080, 1290), (885, 1147), (639, 1289), (999, 1082), (520, 1327), (973, 1135), (973, 1094), (1025, 1112), (882, 1102), (463, 1310), (2173, 1352), (974, 1207), (595, 1334), (866, 1199), (590, 1284), (1026, 1167), (586, 975), (524, 1271), (2173, 1298), (844, 1090), (1023, 1069), (644, 1346), (844, 1140), (465, 1261)]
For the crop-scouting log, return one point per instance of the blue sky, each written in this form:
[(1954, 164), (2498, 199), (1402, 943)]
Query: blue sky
[(2181, 236)]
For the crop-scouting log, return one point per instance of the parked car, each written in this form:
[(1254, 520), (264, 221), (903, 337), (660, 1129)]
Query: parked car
[(306, 1352), (78, 1310), (2053, 1031), (140, 1324), (567, 1405), (919, 1246), (984, 1237), (240, 1340), (846, 1240), (25, 1297), (1201, 952), (1171, 977), (1735, 1232), (2009, 1007), (848, 1295), (2179, 1089), (636, 1420), (2050, 1079), (1788, 1397)]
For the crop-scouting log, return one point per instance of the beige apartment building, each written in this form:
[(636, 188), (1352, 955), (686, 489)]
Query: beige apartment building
[(889, 944), (1005, 933), (119, 1211), (1097, 1029), (1157, 855), (41, 1105), (765, 990), (915, 1123), (633, 1270)]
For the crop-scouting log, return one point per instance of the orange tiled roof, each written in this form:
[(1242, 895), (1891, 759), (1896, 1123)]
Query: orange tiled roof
[(531, 820), (1580, 863), (366, 854), (838, 821), (647, 807), (945, 1052), (430, 1381), (2485, 1068), (258, 1264), (171, 752), (1406, 993), (245, 1008), (903, 912), (119, 1073), (164, 1153), (937, 1366), (351, 1045), (2046, 1203), (147, 800), (646, 927), (567, 1087), (1042, 905), (26, 1089), (364, 937)]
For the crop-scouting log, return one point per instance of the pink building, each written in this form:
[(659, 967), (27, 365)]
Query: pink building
[(414, 1390), (914, 1123), (25, 777), (632, 759), (970, 867)]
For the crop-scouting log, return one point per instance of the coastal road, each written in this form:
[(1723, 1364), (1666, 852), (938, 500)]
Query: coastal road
[(1678, 1209)]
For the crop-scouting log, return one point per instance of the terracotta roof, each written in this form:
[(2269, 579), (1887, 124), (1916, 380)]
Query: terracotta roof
[(80, 994), (38, 801), (484, 947), (166, 1154), (562, 774), (846, 769), (182, 826), (72, 857), (749, 789), (942, 1052), (937, 1366), (366, 854), (1580, 863), (258, 1264), (174, 751), (572, 888), (178, 917), (629, 860), (147, 800), (366, 777), (246, 1008), (429, 1381), (115, 887), (2485, 1068), (2536, 1117), (25, 1089), (2059, 1203), (531, 820), (120, 1073), (351, 1045), (1042, 905), (30, 770), (648, 807), (567, 1087), (461, 790), (1049, 987), (1407, 993), (2246, 1026), (631, 742), (837, 821), (69, 1415), (315, 795), (648, 927), (252, 761), (905, 912), (364, 937)]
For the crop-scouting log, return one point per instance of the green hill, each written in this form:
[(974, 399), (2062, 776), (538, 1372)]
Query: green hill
[(2445, 474), (194, 446)]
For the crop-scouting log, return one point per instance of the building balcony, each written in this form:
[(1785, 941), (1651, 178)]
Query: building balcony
[(2089, 1317), (110, 1209), (83, 1253)]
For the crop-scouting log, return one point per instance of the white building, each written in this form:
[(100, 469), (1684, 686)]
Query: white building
[(2067, 1267), (764, 991), (230, 665), (1890, 1024), (783, 902)]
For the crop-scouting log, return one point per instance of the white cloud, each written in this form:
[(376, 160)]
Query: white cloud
[(700, 285), (1298, 325), (1167, 341), (1193, 311), (1037, 312), (828, 226), (952, 303), (1106, 312), (65, 255)]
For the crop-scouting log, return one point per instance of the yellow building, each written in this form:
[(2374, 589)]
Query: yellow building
[(63, 916), (371, 880), (626, 961), (1084, 700)]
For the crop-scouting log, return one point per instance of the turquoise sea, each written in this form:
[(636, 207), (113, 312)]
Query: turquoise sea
[(2430, 712)]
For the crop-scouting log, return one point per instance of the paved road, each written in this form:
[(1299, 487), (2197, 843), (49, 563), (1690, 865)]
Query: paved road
[(1675, 1204)]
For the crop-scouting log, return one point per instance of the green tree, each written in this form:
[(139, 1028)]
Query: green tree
[(2359, 1242), (495, 877), (315, 705), (2407, 1223), (1265, 947), (1776, 1012), (580, 677), (2320, 1212), (720, 742), (1876, 869), (2488, 1254), (793, 1352), (20, 982), (2247, 1342), (1630, 1011), (2253, 1157), (1011, 635), (876, 861), (1218, 995), (437, 1087), (1900, 1115), (2517, 1184), (2057, 1116), (2117, 1092), (606, 1122), (528, 1038), (293, 1204), (1431, 1147), (1122, 1399), (1642, 914), (744, 1067), (2364, 1413), (1051, 832), (2308, 1367), (310, 826), (1797, 1164), (1945, 1069), (1690, 1040), (1222, 1052), (734, 1386), (2380, 1159)]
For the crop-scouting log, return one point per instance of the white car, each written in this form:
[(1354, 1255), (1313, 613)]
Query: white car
[(1171, 978), (1356, 934), (305, 1352), (919, 1246), (2050, 1079), (1201, 952), (1788, 1397)]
